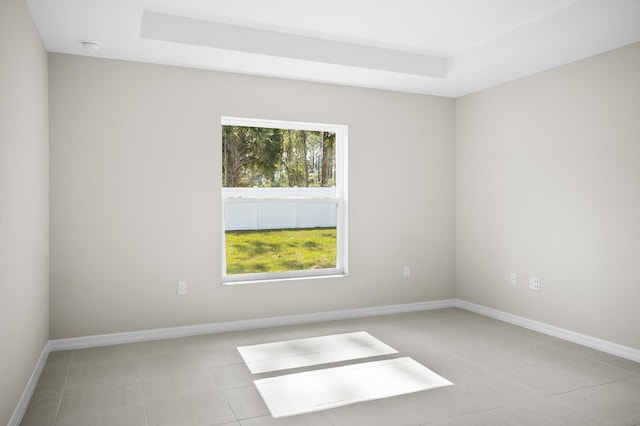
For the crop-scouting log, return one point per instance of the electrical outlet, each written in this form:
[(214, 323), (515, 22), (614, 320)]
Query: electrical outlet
[(182, 287), (407, 271), (534, 283), (514, 279)]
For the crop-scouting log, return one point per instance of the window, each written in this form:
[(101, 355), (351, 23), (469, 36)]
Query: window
[(284, 200)]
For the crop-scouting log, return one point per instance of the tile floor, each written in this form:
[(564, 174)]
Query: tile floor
[(502, 375)]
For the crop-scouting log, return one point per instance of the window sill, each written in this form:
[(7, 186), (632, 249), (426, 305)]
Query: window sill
[(226, 282)]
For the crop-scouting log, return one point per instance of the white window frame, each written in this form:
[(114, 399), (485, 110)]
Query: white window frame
[(340, 201)]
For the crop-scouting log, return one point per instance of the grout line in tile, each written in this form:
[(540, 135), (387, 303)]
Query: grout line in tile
[(571, 407), (144, 403), (64, 387), (229, 405)]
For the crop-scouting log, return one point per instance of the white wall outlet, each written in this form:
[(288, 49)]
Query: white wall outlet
[(513, 279), (534, 283), (407, 271), (182, 287)]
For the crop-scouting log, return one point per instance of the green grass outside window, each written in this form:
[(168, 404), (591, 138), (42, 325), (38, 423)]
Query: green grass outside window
[(280, 250)]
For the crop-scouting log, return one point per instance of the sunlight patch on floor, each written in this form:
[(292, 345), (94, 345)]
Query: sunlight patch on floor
[(316, 390), (312, 351), (309, 391)]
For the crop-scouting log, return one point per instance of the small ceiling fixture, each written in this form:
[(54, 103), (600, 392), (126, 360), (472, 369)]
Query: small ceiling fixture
[(90, 44)]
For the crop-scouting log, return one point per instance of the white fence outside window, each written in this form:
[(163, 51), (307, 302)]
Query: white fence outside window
[(280, 214)]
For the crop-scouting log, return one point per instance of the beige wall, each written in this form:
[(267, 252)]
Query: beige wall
[(135, 175), (548, 185), (24, 202)]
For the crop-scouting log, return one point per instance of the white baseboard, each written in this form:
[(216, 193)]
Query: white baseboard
[(23, 402), (223, 327), (561, 333)]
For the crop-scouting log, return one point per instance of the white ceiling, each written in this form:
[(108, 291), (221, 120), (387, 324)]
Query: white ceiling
[(439, 47)]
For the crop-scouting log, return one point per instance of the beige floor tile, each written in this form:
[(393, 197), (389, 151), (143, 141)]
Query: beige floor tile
[(217, 355), (42, 408), (166, 346), (413, 345), (462, 344), (591, 371), (233, 376), (450, 366), (133, 415), (37, 421), (546, 380), (59, 358), (106, 354), (497, 359), (246, 402), (485, 418), (153, 367), (204, 409), (615, 403), (535, 353), (443, 403), (99, 397), (412, 409), (119, 371), (192, 382), (546, 412), (493, 390), (390, 411), (311, 419), (631, 366), (53, 377)]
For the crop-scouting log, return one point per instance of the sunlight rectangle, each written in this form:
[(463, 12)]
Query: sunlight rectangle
[(312, 351), (317, 390)]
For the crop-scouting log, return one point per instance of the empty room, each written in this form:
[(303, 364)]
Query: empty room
[(319, 213)]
